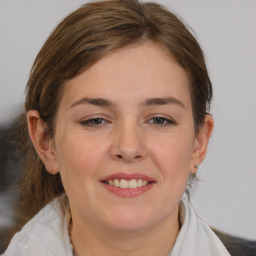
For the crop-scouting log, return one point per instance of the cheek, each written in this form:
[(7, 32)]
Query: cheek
[(78, 157), (173, 157)]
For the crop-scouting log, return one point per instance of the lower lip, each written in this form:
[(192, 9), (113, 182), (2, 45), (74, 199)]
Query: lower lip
[(128, 192)]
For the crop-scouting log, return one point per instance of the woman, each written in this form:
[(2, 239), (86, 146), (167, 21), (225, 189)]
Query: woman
[(117, 113)]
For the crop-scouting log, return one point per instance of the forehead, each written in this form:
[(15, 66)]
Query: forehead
[(136, 71)]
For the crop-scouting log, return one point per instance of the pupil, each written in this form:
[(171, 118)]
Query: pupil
[(96, 121), (159, 120)]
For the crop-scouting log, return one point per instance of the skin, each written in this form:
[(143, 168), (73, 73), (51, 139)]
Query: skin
[(130, 136)]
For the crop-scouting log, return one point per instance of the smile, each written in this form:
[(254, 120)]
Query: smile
[(128, 185), (122, 183)]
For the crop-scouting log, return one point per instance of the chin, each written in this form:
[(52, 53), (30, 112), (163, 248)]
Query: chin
[(130, 220)]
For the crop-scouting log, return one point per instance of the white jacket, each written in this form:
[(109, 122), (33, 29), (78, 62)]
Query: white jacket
[(47, 235)]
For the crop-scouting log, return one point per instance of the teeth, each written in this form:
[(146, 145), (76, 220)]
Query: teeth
[(116, 183), (133, 183), (139, 183), (122, 183)]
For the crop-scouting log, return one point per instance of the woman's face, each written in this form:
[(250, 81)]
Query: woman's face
[(124, 142)]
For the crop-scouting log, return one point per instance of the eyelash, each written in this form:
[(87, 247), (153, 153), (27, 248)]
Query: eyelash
[(91, 122), (164, 121), (96, 122)]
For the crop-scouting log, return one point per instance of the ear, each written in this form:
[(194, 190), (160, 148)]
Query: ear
[(42, 142), (201, 143)]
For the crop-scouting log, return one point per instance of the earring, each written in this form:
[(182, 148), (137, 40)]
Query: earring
[(196, 165)]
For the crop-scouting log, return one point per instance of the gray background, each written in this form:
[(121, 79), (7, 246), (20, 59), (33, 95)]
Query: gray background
[(226, 30)]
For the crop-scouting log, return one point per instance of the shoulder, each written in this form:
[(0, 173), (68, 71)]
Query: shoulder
[(45, 234), (237, 246)]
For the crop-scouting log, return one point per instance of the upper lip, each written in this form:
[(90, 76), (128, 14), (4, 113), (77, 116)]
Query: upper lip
[(128, 176)]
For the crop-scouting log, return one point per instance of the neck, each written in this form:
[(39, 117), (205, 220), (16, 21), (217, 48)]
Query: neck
[(156, 240)]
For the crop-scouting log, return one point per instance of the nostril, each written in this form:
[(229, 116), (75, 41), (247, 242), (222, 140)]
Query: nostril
[(121, 157)]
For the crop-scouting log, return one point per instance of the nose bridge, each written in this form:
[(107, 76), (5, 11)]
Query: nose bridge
[(128, 141)]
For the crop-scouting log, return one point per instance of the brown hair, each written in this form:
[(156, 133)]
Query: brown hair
[(79, 41)]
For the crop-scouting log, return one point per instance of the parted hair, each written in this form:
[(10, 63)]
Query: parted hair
[(84, 37)]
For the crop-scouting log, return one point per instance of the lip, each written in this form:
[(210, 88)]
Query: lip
[(128, 192)]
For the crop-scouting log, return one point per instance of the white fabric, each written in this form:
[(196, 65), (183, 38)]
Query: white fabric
[(44, 235), (47, 235), (195, 237)]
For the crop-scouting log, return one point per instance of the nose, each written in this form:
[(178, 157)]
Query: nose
[(128, 144)]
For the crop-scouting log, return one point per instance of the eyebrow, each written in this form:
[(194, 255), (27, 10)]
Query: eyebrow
[(148, 102), (163, 101), (94, 101)]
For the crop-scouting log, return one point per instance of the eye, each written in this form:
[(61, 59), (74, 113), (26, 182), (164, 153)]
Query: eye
[(93, 122), (161, 121)]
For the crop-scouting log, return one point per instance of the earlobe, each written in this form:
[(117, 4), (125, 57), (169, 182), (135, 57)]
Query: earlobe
[(42, 142), (201, 143)]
